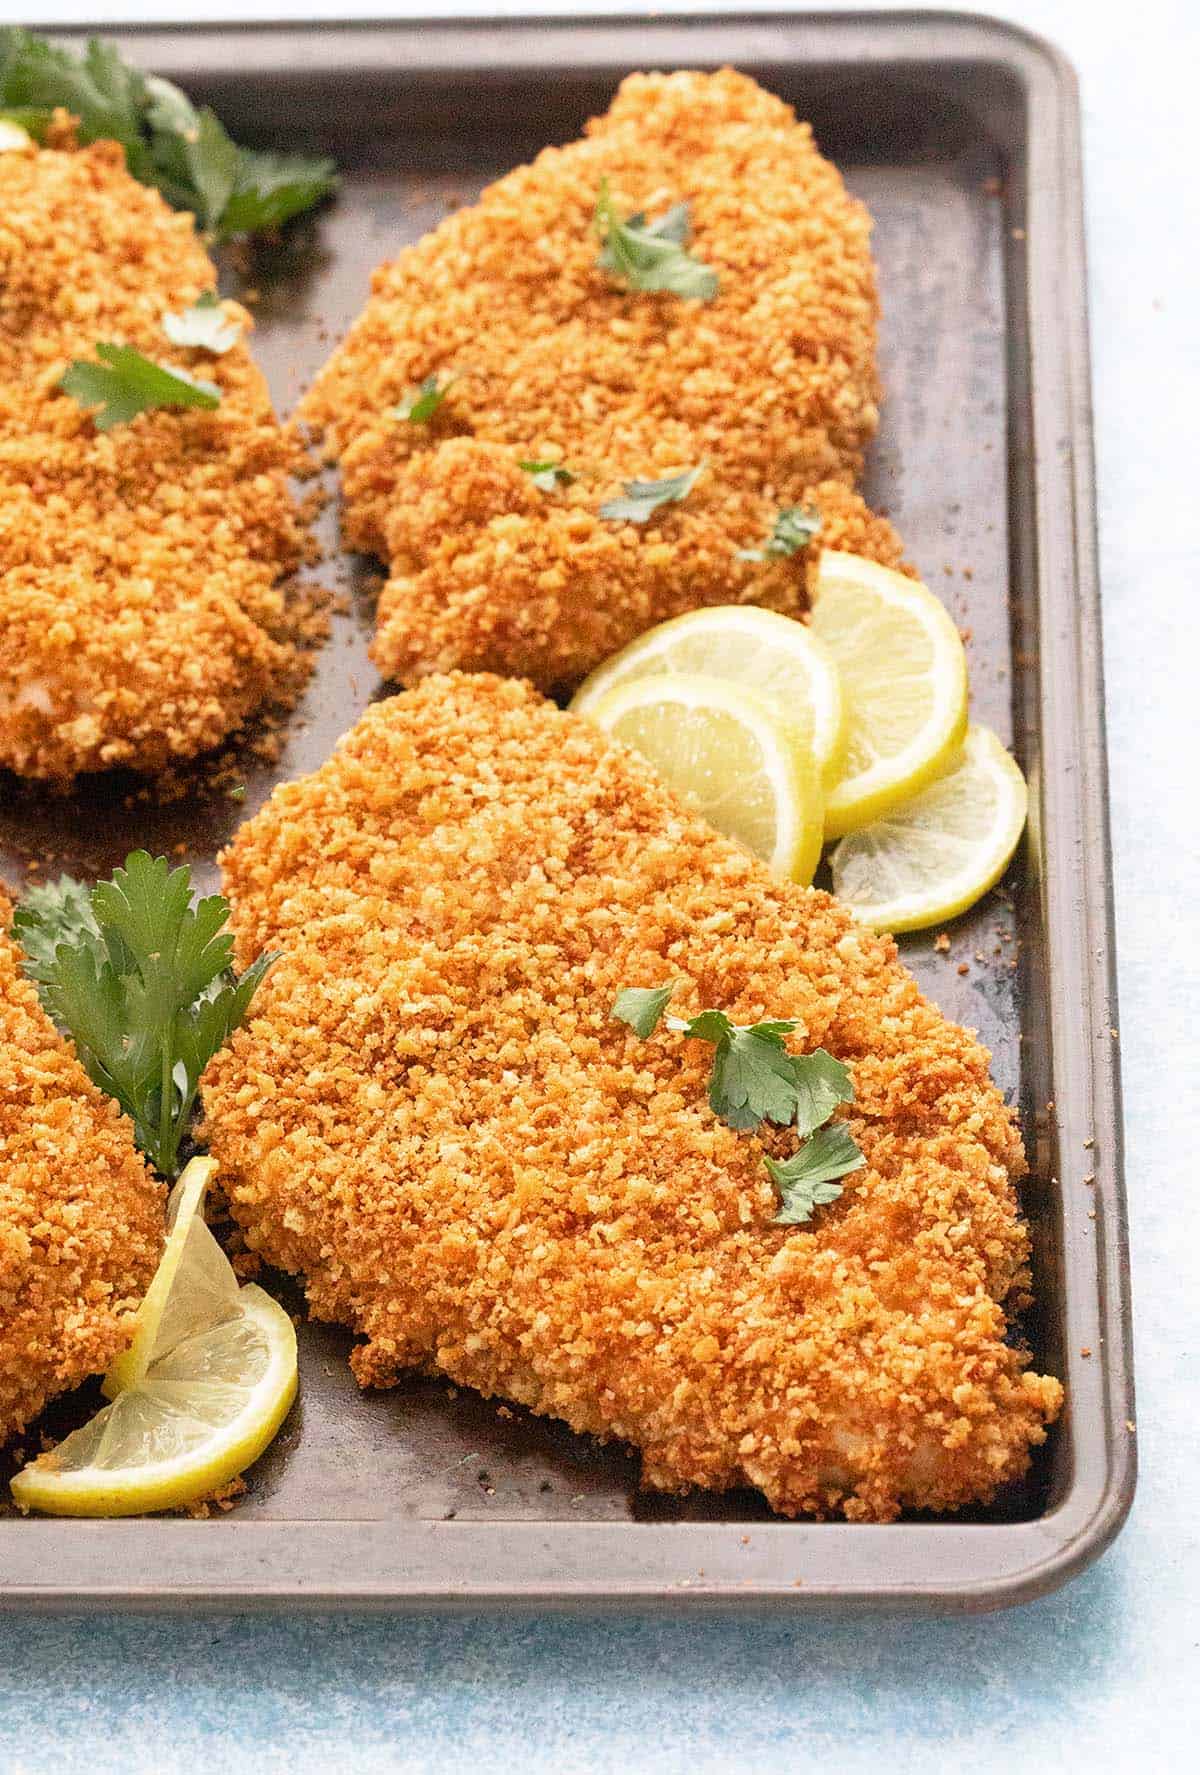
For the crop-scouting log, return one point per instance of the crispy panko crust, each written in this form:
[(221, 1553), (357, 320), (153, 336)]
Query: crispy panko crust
[(433, 1116), (81, 1218), (773, 385), (138, 603)]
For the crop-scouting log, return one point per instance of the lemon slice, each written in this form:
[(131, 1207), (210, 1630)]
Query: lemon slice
[(196, 1399), (771, 654), (749, 772), (939, 853), (904, 676)]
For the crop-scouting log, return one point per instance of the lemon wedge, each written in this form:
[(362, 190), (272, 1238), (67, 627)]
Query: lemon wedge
[(202, 1390), (773, 655), (730, 752), (194, 1283), (904, 676), (929, 860)]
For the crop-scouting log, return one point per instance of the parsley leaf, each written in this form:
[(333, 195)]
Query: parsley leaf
[(420, 404), (806, 1180), (204, 326), (794, 529), (124, 384), (642, 1007), (142, 981), (211, 159), (51, 913), (272, 188), (169, 112), (821, 1084), (185, 152), (194, 163), (232, 190), (754, 1080), (643, 498), (548, 475), (753, 1076), (650, 255)]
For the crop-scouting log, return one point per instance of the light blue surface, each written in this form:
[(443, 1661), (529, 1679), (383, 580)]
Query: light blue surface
[(1104, 1676)]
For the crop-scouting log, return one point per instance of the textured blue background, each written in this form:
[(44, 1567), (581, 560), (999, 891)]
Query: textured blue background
[(1106, 1675)]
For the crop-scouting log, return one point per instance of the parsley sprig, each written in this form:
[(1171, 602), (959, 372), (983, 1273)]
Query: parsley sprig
[(124, 384), (755, 1079), (142, 981), (185, 152), (651, 255), (794, 529), (643, 498)]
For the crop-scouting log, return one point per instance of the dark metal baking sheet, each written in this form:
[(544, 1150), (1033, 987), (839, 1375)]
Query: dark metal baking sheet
[(962, 136)]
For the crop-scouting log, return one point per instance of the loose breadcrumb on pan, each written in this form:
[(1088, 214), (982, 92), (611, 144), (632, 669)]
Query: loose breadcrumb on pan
[(140, 618), (773, 385), (432, 1115), (81, 1217)]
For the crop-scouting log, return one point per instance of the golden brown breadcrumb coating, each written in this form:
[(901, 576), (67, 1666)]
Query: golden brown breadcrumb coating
[(81, 1218), (137, 567), (772, 384), (433, 1116)]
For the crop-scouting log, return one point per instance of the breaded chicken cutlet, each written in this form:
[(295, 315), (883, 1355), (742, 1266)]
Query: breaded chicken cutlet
[(81, 1218), (432, 1116), (139, 616), (772, 385)]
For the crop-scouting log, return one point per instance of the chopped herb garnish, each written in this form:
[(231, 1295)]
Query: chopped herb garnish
[(548, 475), (794, 529), (807, 1180), (204, 326), (651, 255), (142, 981), (168, 143), (124, 384), (755, 1079), (643, 498), (420, 405), (753, 1075), (642, 1007)]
